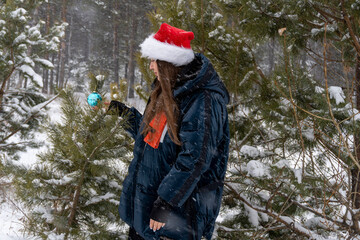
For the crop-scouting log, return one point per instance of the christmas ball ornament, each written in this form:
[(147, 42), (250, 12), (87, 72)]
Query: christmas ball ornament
[(93, 99)]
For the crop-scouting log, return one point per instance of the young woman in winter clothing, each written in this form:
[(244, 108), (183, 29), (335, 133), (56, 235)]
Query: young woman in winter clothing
[(174, 186)]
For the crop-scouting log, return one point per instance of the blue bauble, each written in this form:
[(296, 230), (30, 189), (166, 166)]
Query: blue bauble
[(93, 99)]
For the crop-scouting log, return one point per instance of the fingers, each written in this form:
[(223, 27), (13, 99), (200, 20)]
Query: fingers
[(107, 105), (151, 223), (158, 225), (154, 225)]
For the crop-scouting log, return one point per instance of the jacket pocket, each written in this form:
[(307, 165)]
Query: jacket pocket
[(208, 202)]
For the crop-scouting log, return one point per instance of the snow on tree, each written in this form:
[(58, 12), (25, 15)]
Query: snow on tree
[(293, 163), (22, 46), (73, 191)]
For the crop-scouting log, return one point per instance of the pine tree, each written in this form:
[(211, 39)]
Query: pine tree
[(292, 147), (319, 131), (22, 46), (73, 191), (121, 25)]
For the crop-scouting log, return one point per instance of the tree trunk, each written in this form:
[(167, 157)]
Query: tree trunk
[(355, 172), (87, 43), (271, 47), (29, 52), (8, 85), (69, 39), (68, 47), (62, 49), (20, 81), (116, 24), (116, 54), (52, 75), (2, 86), (25, 83), (303, 59), (46, 71), (45, 80), (58, 68), (126, 70), (132, 49), (53, 55), (126, 62)]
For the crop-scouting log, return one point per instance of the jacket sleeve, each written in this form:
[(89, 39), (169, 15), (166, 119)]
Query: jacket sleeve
[(198, 136), (160, 210), (134, 116)]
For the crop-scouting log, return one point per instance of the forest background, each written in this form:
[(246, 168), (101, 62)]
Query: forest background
[(293, 72)]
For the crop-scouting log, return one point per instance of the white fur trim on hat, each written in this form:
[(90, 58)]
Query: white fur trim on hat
[(155, 49)]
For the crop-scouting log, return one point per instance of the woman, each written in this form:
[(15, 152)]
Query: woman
[(174, 186)]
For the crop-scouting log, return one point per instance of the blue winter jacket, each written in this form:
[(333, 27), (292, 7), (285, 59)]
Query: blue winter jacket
[(188, 178)]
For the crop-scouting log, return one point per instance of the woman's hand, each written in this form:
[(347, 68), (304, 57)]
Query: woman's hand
[(160, 212), (106, 106), (154, 225)]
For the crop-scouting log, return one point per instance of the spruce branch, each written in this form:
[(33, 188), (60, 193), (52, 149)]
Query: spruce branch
[(289, 77), (41, 106), (8, 115), (245, 139), (336, 124), (2, 88), (327, 15), (14, 204), (284, 220), (350, 28), (297, 106), (322, 215), (224, 60), (81, 180), (13, 144), (257, 68), (308, 49)]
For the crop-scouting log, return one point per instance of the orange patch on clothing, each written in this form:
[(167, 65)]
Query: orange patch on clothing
[(158, 124)]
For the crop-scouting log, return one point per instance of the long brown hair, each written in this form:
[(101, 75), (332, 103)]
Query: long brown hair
[(162, 100)]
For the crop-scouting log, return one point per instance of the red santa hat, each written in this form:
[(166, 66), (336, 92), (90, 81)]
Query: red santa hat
[(169, 44)]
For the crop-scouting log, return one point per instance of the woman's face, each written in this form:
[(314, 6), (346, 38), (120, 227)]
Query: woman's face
[(154, 67)]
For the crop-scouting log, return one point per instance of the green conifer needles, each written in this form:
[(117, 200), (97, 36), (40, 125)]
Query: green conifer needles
[(73, 190)]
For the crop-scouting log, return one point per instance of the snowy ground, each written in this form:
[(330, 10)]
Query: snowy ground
[(10, 211), (10, 222)]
